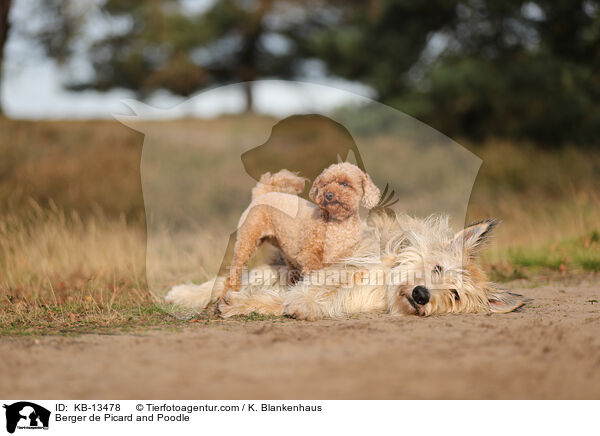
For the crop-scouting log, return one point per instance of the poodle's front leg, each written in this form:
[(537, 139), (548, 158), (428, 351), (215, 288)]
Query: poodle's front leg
[(249, 235)]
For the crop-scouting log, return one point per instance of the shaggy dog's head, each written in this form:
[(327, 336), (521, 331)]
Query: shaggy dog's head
[(433, 269), (340, 188)]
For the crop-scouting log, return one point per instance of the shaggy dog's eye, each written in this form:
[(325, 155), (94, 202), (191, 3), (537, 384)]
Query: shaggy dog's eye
[(344, 184), (437, 269), (455, 293)]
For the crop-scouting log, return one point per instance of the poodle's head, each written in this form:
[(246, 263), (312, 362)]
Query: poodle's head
[(340, 189)]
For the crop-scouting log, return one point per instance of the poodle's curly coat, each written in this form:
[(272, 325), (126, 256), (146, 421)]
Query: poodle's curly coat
[(309, 235)]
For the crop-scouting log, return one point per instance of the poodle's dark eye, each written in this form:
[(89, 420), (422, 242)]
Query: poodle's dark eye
[(437, 269), (344, 184), (455, 293)]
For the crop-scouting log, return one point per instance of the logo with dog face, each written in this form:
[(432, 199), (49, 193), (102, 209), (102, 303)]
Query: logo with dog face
[(26, 415)]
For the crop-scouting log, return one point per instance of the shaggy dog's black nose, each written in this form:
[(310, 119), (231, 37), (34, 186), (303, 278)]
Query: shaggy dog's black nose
[(421, 295), (329, 196)]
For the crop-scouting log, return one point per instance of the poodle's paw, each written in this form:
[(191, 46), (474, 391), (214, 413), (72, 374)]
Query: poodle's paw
[(190, 295), (226, 306)]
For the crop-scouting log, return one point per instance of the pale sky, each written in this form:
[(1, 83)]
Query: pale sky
[(31, 89), (34, 92)]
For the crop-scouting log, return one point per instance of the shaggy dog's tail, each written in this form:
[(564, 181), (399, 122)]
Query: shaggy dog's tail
[(283, 181)]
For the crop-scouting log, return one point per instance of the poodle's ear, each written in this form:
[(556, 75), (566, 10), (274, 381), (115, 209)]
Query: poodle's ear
[(314, 190), (475, 235), (371, 192)]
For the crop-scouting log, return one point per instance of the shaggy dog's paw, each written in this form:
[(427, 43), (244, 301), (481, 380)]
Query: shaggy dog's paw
[(190, 295), (300, 311)]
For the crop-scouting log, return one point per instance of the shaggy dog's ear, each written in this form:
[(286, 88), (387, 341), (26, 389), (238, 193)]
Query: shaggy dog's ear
[(503, 301), (371, 192), (475, 235), (314, 190)]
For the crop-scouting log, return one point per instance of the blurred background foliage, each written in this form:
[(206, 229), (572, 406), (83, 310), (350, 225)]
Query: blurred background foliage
[(474, 69)]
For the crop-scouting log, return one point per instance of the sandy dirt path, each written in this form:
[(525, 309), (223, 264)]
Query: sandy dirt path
[(550, 349)]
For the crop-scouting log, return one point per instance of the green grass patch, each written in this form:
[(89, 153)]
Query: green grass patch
[(253, 317), (531, 258), (73, 319), (571, 254), (19, 319), (589, 263), (507, 274)]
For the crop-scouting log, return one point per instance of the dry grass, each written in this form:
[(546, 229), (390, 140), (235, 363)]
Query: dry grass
[(40, 248), (80, 166), (549, 204), (62, 273), (73, 233)]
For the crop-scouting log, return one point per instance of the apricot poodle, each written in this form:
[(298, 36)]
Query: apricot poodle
[(309, 235)]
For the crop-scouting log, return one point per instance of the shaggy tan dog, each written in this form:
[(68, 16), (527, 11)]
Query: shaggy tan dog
[(403, 265), (309, 236)]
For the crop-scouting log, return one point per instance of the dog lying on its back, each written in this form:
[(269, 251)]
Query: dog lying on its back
[(310, 236)]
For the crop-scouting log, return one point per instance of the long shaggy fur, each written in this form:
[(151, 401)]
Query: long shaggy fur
[(394, 256)]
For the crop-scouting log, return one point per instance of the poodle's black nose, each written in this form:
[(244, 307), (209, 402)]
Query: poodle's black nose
[(421, 295), (329, 196)]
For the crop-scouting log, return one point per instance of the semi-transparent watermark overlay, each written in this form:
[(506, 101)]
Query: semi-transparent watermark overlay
[(198, 174), (351, 278)]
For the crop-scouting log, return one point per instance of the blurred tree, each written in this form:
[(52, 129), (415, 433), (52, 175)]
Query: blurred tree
[(161, 44), (53, 26), (516, 69), (56, 26), (375, 41), (475, 68), (4, 24)]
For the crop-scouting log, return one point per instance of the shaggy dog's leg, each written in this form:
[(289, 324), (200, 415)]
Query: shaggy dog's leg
[(316, 296), (266, 279), (196, 296), (261, 294), (308, 302), (265, 302), (341, 294)]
